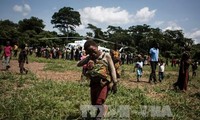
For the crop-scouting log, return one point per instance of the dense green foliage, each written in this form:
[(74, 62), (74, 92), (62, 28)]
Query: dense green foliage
[(66, 19), (138, 38)]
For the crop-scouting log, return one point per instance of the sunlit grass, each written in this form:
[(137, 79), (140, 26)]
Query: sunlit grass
[(59, 65), (27, 97)]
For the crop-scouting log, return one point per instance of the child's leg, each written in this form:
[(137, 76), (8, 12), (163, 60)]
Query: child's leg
[(24, 69), (21, 67), (163, 75), (138, 78), (7, 61), (160, 76), (139, 74)]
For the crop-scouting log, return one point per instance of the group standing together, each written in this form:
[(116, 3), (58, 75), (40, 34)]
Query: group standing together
[(183, 75), (7, 55), (103, 71)]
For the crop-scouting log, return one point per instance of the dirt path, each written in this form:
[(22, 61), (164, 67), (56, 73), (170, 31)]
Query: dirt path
[(37, 69), (73, 76)]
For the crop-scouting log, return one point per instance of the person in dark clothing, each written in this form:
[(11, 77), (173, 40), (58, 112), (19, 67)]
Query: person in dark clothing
[(72, 53), (22, 59), (183, 76), (194, 68)]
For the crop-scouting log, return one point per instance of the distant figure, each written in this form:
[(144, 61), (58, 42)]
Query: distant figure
[(72, 53), (194, 68), (123, 57), (145, 59), (15, 50), (177, 62), (183, 76), (173, 62), (138, 67), (161, 70), (77, 54), (167, 62), (7, 54), (1, 49), (102, 75), (22, 59), (154, 56)]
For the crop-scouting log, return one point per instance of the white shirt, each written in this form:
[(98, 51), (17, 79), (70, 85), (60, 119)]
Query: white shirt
[(140, 64), (162, 67)]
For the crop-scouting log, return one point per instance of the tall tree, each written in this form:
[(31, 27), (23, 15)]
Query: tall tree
[(98, 33), (119, 35), (33, 23), (90, 34), (66, 19), (8, 29)]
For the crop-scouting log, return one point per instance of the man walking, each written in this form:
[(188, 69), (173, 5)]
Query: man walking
[(154, 54)]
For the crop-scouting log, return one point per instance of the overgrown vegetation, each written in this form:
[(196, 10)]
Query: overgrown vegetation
[(28, 97)]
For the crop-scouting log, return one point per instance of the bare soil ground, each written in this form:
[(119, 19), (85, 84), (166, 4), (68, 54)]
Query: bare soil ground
[(73, 76), (37, 69)]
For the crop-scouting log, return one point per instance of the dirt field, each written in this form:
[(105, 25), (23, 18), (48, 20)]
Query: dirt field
[(73, 76), (37, 69)]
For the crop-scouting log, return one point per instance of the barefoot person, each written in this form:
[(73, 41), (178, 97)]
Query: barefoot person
[(7, 53), (139, 67), (183, 76), (22, 59), (102, 73), (154, 54), (161, 65)]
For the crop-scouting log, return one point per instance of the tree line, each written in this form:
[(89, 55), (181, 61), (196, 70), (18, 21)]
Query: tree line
[(138, 38)]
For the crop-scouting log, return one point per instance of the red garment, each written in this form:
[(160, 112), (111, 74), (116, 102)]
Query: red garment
[(183, 76), (185, 83), (7, 51), (98, 93)]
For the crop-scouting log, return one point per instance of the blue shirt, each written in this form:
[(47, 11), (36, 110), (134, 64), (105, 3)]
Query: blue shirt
[(154, 54)]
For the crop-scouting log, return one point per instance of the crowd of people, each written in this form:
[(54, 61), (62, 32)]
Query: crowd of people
[(119, 58), (103, 68)]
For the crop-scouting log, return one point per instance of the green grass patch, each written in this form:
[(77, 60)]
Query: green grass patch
[(27, 97), (59, 65)]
